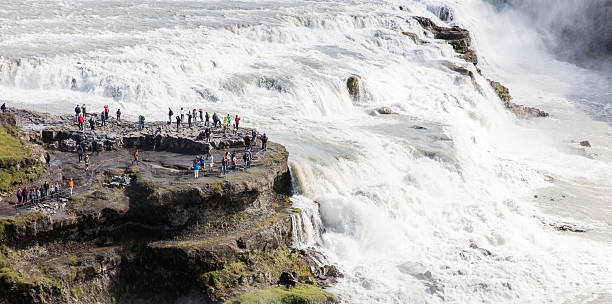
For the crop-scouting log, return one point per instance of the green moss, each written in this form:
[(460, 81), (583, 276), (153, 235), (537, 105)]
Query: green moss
[(9, 226), (222, 279), (300, 294), (131, 171), (501, 91), (77, 292), (72, 258)]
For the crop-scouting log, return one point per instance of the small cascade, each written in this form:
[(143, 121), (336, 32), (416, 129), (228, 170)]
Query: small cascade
[(306, 221)]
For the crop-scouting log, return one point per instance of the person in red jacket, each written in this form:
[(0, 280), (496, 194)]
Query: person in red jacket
[(81, 121), (237, 119)]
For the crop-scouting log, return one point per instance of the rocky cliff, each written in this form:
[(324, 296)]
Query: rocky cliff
[(151, 232)]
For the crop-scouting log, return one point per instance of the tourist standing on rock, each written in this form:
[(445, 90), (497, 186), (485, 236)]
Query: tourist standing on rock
[(264, 142), (84, 110), (224, 165), (182, 114), (202, 163), (194, 116), (3, 108), (156, 137), (77, 111), (142, 121), (46, 188), (178, 123), (47, 158), (253, 136), (237, 119), (245, 159), (81, 120), (216, 120), (211, 163), (135, 157), (92, 123), (106, 110), (24, 194), (207, 134), (209, 150), (189, 120), (86, 162), (207, 117), (118, 115), (71, 185), (201, 114), (234, 161), (196, 167), (57, 190), (170, 113), (19, 196), (103, 118), (247, 143)]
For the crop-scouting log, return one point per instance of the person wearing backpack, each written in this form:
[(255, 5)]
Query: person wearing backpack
[(170, 113)]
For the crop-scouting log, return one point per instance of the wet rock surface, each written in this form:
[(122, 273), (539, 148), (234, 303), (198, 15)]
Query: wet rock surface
[(459, 39), (456, 36)]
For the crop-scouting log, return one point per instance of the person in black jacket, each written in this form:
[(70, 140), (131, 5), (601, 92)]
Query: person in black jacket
[(264, 142), (170, 113), (77, 111)]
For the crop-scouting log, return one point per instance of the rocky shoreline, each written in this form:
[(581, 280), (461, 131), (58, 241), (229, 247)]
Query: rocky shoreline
[(150, 231)]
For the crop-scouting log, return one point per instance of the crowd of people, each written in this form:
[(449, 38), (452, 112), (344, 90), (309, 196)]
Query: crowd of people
[(229, 161), (38, 194)]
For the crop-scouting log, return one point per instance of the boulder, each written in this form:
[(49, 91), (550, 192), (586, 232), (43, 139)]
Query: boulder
[(332, 271), (457, 37), (287, 279), (385, 111), (585, 143), (68, 145), (352, 85)]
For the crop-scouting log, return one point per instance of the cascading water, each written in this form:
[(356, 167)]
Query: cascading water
[(435, 204)]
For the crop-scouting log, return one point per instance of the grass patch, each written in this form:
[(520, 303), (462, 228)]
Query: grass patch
[(16, 164), (8, 226), (12, 150), (300, 294)]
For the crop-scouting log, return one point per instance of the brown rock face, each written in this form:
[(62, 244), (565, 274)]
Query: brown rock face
[(457, 37), (460, 40)]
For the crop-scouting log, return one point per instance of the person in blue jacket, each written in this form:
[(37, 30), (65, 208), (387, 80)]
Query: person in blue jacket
[(196, 168)]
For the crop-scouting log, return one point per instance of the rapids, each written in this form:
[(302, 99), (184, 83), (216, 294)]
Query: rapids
[(455, 212)]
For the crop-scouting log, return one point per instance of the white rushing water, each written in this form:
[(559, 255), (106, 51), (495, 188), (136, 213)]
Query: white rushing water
[(402, 211)]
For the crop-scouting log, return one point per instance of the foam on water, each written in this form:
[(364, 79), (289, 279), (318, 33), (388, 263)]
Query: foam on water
[(402, 211)]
